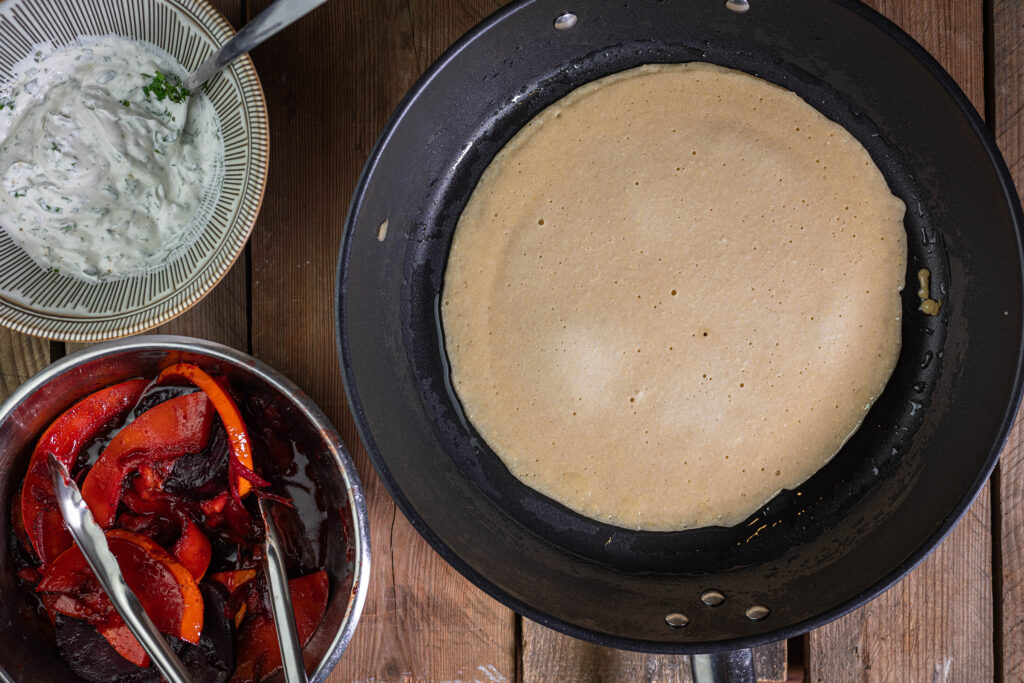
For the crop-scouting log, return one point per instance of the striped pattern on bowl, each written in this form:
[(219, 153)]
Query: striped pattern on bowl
[(47, 304)]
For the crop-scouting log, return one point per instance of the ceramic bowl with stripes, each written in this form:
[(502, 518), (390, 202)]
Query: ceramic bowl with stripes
[(47, 304)]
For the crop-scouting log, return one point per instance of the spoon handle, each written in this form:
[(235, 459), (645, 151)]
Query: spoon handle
[(267, 23)]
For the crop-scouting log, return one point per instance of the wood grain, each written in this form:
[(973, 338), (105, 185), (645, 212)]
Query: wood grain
[(1008, 120), (221, 316), (21, 357), (551, 656), (331, 81), (918, 631)]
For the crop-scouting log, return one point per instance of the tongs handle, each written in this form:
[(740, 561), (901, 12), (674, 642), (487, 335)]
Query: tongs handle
[(93, 543), (281, 601)]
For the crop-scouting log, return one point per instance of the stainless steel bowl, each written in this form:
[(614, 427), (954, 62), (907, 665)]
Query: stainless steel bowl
[(29, 651)]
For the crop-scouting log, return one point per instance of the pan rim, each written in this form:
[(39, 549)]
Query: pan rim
[(918, 554)]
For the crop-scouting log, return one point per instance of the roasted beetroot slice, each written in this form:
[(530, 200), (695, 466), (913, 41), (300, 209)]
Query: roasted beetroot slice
[(90, 656), (204, 474)]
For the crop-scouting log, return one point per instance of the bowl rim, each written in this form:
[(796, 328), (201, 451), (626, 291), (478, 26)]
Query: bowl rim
[(25, 319), (355, 495)]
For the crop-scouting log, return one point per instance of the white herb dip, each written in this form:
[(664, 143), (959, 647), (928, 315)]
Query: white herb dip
[(106, 169)]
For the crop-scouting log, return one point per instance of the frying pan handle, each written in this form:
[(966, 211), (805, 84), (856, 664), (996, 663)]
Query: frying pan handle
[(736, 666)]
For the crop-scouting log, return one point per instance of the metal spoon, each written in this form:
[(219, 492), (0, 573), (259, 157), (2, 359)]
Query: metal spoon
[(270, 21), (93, 543)]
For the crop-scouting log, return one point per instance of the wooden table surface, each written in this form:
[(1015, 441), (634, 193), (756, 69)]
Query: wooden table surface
[(331, 82)]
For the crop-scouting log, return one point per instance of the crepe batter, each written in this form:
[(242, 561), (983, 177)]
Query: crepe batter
[(672, 294)]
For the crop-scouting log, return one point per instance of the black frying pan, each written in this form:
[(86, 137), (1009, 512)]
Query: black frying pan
[(856, 527)]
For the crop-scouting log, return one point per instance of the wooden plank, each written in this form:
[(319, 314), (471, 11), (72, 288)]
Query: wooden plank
[(1008, 119), (937, 623), (221, 316), (233, 10), (331, 81), (21, 357), (952, 31), (1010, 562), (551, 656)]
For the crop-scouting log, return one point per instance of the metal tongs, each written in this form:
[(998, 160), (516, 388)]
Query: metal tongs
[(89, 537), (281, 600)]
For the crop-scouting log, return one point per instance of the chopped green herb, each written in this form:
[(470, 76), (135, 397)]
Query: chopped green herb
[(126, 103), (165, 87), (67, 228), (46, 207), (6, 104), (54, 147), (55, 270), (17, 194)]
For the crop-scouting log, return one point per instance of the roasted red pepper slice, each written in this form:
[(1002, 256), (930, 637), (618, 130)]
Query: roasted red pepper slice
[(150, 477), (215, 505), (65, 438), (124, 642), (240, 466), (233, 581), (165, 588), (166, 431), (226, 516), (29, 575), (259, 655), (192, 549)]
